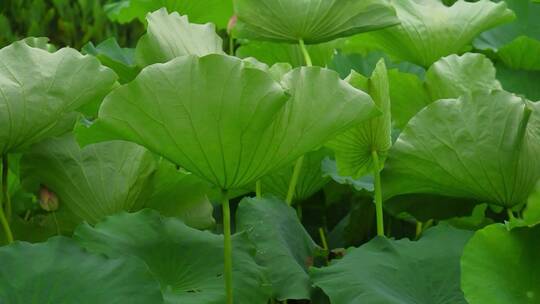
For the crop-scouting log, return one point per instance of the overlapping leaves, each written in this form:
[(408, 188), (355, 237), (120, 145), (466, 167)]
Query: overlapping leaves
[(231, 130), (187, 262), (430, 30), (59, 271), (402, 271), (283, 245), (90, 182), (40, 91)]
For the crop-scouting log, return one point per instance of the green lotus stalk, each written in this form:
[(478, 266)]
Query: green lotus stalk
[(511, 216), (305, 52), (378, 193), (5, 191), (298, 165), (5, 200), (258, 189), (227, 248), (294, 180)]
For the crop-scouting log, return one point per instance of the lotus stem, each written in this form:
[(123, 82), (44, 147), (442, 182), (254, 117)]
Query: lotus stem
[(5, 191), (378, 193), (418, 229), (231, 45), (511, 216), (305, 52), (56, 223), (6, 202), (258, 189), (5, 225), (227, 248), (294, 180)]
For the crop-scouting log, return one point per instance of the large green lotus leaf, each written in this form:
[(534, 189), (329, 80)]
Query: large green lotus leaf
[(519, 81), (314, 21), (482, 146), (227, 122), (170, 35), (176, 192), (187, 262), (453, 76), (59, 271), (92, 182), (39, 92), (310, 180), (353, 149), (272, 53), (387, 271), (121, 60), (430, 30), (215, 11), (500, 266), (516, 43), (283, 245)]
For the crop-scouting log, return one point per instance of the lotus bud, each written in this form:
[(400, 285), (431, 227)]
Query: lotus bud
[(48, 199), (231, 24)]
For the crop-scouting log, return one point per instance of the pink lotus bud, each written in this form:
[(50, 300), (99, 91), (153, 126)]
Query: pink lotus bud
[(47, 199), (231, 24)]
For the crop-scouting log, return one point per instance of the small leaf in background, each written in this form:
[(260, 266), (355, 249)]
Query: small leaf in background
[(120, 60), (215, 11), (187, 262), (520, 81), (501, 266), (59, 271), (430, 30), (516, 43), (178, 193), (170, 35), (329, 168), (398, 271), (284, 247), (272, 52), (354, 148), (310, 180), (314, 21), (453, 76)]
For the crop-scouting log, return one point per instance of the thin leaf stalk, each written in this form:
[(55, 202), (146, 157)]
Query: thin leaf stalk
[(227, 248), (305, 52), (294, 180), (378, 193), (5, 201), (258, 189), (511, 215), (5, 226), (298, 164), (56, 223), (5, 190)]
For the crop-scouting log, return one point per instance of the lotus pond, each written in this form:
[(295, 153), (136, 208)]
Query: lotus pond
[(268, 151)]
